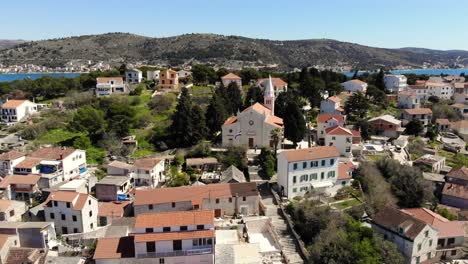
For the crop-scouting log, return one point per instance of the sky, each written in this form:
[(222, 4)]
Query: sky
[(431, 24)]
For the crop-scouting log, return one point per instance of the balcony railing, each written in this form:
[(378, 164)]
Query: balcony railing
[(177, 253)]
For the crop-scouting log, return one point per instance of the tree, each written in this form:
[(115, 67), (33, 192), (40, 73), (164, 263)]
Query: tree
[(181, 128), (266, 161), (275, 137), (414, 127), (216, 114), (334, 88), (377, 96), (90, 120), (357, 106), (294, 123), (366, 128), (282, 102), (234, 98), (254, 95), (203, 74), (311, 87), (248, 74), (222, 72), (379, 80), (199, 124)]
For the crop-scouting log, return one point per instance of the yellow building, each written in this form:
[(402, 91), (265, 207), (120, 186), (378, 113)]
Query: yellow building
[(168, 79)]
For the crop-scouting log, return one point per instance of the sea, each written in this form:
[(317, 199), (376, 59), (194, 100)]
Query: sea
[(20, 76), (423, 71)]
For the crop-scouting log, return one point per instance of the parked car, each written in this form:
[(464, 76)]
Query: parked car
[(451, 147)]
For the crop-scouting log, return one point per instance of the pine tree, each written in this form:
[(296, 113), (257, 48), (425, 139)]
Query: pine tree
[(254, 95), (357, 106), (234, 98), (379, 80), (181, 128), (216, 114), (294, 123), (199, 124)]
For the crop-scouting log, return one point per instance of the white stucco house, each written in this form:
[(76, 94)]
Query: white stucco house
[(231, 77), (72, 212), (355, 86), (408, 100), (342, 138), (325, 121), (148, 171), (9, 160), (110, 85), (395, 83), (13, 111), (331, 105), (152, 74), (133, 76)]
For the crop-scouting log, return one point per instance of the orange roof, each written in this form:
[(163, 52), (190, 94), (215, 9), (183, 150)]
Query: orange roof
[(334, 99), (407, 93), (275, 81), (442, 121), (338, 131), (310, 153), (174, 235), (182, 218), (120, 165), (28, 163), (4, 205), (11, 155), (195, 194), (344, 170), (358, 81), (418, 111), (275, 121), (230, 120), (13, 103), (115, 248), (456, 190), (101, 80), (231, 76), (259, 108), (67, 196), (52, 153), (323, 118), (147, 163), (445, 227), (30, 179), (115, 209), (459, 105)]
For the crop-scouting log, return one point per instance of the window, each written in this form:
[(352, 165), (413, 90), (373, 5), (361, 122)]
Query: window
[(295, 166), (161, 261), (348, 149), (450, 241), (183, 228), (304, 165), (75, 230), (90, 213), (91, 226), (173, 205), (428, 255), (322, 175), (418, 260), (150, 207), (176, 245), (294, 179), (217, 201), (64, 230), (74, 218), (55, 204), (331, 174), (52, 216), (313, 176), (333, 138), (332, 161), (195, 242), (63, 217), (167, 229), (323, 162), (294, 190), (200, 227), (149, 230), (348, 140), (419, 247), (430, 243), (303, 178), (230, 199), (12, 212), (68, 205), (453, 252), (89, 201), (426, 233), (244, 198), (150, 246)]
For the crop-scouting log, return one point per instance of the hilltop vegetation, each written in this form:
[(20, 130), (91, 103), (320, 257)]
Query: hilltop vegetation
[(123, 47)]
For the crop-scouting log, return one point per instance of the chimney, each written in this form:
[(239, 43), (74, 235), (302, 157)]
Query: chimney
[(61, 156)]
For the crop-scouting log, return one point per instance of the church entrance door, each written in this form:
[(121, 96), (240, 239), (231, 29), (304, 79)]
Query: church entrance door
[(251, 142)]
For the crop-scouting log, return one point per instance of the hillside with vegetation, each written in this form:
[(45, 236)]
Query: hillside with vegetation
[(124, 47)]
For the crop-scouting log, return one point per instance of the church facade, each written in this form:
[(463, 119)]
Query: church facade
[(253, 126)]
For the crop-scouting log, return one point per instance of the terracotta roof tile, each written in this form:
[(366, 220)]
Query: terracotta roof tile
[(444, 227), (201, 161), (275, 121), (393, 219), (418, 111), (442, 121), (13, 103), (344, 170), (230, 120), (4, 205), (357, 81), (459, 105), (334, 99), (23, 255), (101, 80), (310, 153), (30, 179), (115, 248), (275, 81), (11, 155), (79, 199), (120, 164), (52, 153), (460, 173), (114, 209), (182, 218), (231, 76), (456, 190), (338, 131), (259, 108), (323, 118), (3, 239), (195, 194), (174, 235), (28, 163), (146, 163)]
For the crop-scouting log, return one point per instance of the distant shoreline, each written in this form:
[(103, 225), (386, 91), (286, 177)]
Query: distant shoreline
[(418, 71)]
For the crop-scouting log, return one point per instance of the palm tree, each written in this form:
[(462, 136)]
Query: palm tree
[(275, 136)]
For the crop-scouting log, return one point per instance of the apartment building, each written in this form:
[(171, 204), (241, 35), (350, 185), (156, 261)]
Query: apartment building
[(169, 80), (355, 86), (13, 111), (110, 85), (9, 160), (395, 83)]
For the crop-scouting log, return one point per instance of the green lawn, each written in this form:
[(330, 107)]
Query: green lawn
[(57, 136), (346, 204)]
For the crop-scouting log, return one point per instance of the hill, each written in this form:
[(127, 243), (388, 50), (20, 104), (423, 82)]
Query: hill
[(124, 47), (9, 43)]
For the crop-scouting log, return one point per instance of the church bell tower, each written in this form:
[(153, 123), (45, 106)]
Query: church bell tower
[(269, 95)]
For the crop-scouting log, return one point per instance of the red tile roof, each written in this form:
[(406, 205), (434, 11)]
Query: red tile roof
[(30, 179), (358, 81), (231, 76), (455, 190), (114, 209), (195, 194), (4, 205), (146, 163), (174, 235), (230, 120), (182, 218), (101, 80), (13, 103), (334, 99), (393, 219), (11, 155), (115, 248), (338, 131), (24, 255), (259, 108), (459, 173), (442, 121), (52, 153), (275, 81), (310, 153), (444, 227), (323, 118), (344, 170), (275, 121), (28, 163), (66, 196), (418, 111)]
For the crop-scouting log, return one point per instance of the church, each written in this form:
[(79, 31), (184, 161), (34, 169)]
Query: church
[(252, 127)]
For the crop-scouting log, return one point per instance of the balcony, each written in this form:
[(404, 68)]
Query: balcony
[(177, 253)]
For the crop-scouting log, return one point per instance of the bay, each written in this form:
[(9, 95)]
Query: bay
[(33, 76), (423, 71)]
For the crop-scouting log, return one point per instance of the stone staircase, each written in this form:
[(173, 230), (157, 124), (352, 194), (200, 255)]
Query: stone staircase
[(290, 250)]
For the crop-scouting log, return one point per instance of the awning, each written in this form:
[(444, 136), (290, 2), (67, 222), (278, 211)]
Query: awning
[(316, 185), (50, 162)]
